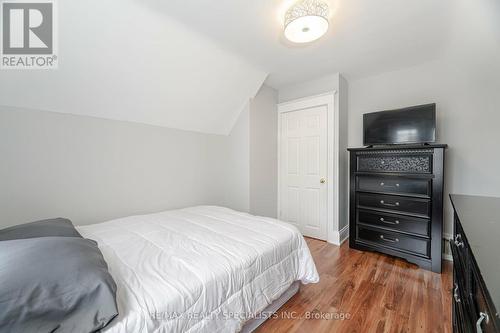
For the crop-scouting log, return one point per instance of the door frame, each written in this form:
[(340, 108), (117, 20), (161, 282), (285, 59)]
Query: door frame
[(333, 135)]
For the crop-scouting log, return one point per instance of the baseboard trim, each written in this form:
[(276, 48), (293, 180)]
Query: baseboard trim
[(339, 237), (447, 257), (446, 249), (344, 234)]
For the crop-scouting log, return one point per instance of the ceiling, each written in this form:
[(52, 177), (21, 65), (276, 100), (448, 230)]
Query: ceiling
[(194, 64), (123, 60), (365, 37)]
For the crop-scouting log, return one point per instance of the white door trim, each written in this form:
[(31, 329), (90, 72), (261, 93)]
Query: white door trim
[(328, 100)]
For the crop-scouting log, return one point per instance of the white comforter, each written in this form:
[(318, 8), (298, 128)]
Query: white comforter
[(200, 269)]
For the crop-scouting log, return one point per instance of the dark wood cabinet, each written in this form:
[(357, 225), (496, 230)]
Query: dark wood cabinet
[(476, 264), (396, 202)]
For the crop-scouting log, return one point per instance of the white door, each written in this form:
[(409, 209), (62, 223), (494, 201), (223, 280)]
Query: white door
[(303, 164)]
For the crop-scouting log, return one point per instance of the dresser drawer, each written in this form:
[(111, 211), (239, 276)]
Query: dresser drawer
[(397, 191), (481, 309), (413, 225), (398, 185), (394, 240), (462, 322), (460, 268), (484, 317), (414, 206), (395, 163)]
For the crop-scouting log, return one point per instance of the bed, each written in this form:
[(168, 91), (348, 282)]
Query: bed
[(200, 269)]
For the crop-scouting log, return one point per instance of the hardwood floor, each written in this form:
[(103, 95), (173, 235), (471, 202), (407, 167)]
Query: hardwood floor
[(374, 292)]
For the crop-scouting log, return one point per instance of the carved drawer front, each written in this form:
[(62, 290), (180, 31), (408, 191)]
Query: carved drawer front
[(412, 225), (394, 240), (395, 163), (405, 205), (396, 185)]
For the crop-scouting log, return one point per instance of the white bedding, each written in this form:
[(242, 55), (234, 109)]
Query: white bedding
[(199, 269)]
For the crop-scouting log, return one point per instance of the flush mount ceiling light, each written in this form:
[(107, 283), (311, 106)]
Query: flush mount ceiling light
[(306, 21)]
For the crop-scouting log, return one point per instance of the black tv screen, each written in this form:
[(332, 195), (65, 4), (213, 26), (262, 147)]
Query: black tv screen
[(416, 124)]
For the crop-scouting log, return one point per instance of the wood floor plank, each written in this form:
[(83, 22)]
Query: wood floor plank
[(372, 292)]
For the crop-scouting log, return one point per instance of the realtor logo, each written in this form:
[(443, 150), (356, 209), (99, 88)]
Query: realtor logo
[(28, 35)]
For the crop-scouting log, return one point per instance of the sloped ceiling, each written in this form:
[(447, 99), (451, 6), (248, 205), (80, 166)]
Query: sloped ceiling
[(124, 60), (194, 64)]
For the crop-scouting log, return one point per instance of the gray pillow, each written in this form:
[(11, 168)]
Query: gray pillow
[(54, 284), (45, 228)]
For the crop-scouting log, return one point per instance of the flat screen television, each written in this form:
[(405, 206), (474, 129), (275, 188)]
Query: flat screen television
[(415, 124)]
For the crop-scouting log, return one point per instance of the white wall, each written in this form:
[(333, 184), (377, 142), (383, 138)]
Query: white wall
[(465, 84), (91, 170), (236, 164), (250, 157), (342, 104), (264, 153), (316, 86)]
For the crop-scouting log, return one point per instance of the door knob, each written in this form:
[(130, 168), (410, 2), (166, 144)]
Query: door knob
[(322, 180)]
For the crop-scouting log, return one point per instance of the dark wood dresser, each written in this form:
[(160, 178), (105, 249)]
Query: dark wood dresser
[(396, 202), (476, 264)]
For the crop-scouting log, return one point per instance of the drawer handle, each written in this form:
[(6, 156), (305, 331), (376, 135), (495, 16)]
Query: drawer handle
[(383, 184), (389, 204), (455, 294), (458, 240), (388, 222), (482, 317), (395, 240)]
